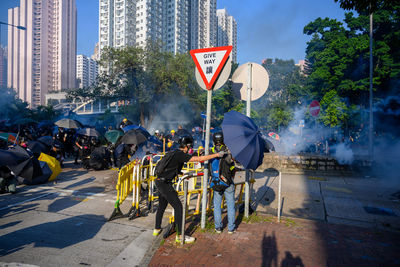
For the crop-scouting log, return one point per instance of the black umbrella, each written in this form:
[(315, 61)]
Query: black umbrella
[(89, 132), (243, 139), (269, 147), (38, 147), (136, 127), (133, 137), (47, 140), (68, 123), (183, 132), (21, 162), (24, 121), (45, 123)]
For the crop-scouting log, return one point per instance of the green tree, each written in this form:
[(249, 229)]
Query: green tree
[(338, 58), (333, 110)]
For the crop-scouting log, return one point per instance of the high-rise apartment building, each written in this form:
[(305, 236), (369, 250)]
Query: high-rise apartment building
[(3, 66), (117, 23), (42, 58), (227, 31), (203, 24), (86, 71), (149, 21), (179, 25)]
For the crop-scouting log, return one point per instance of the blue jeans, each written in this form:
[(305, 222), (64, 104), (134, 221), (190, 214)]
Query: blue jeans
[(230, 202)]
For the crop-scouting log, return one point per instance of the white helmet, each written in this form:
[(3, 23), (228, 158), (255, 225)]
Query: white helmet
[(157, 132)]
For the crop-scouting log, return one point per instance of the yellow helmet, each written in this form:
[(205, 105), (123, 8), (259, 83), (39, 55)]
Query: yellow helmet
[(172, 131), (200, 147), (169, 144), (125, 120)]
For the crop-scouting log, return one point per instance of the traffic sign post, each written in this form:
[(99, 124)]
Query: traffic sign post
[(250, 82), (210, 62)]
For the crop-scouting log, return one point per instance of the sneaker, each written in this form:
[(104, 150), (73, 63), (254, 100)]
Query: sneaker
[(156, 232), (218, 230), (231, 232), (188, 239)]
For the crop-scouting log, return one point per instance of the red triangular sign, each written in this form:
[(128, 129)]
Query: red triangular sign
[(209, 62)]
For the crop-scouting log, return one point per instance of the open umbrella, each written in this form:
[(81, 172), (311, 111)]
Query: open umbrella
[(89, 132), (23, 121), (113, 135), (38, 147), (243, 139), (183, 132), (9, 137), (53, 164), (68, 123), (47, 140), (22, 164), (133, 137), (45, 123), (273, 135), (269, 147), (136, 127)]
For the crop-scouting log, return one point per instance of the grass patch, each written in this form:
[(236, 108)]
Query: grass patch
[(289, 222), (209, 227), (162, 242)]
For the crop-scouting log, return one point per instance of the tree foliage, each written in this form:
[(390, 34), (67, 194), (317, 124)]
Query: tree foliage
[(338, 58)]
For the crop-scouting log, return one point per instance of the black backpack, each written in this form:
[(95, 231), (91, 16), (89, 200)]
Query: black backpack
[(162, 164)]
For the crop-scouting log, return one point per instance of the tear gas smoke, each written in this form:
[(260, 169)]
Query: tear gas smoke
[(312, 138), (171, 114)]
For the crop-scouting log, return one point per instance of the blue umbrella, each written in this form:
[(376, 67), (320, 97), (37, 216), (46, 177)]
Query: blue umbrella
[(243, 139), (136, 127)]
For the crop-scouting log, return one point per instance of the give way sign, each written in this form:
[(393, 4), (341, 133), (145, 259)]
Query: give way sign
[(314, 108), (209, 62)]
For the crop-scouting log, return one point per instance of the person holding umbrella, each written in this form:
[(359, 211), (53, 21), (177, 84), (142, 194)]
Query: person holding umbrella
[(167, 193), (222, 174)]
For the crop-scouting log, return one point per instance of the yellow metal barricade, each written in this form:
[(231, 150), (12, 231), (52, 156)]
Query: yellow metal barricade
[(134, 174)]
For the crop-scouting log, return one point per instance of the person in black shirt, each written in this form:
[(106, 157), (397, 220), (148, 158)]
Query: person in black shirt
[(167, 194)]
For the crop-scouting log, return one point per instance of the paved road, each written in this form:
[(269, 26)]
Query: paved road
[(65, 224)]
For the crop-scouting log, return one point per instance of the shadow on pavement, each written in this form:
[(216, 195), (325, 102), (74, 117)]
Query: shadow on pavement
[(71, 200), (58, 234)]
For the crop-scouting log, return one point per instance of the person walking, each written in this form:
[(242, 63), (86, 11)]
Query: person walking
[(167, 193), (222, 174)]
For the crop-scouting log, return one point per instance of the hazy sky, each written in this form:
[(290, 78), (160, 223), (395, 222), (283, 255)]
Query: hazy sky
[(266, 28)]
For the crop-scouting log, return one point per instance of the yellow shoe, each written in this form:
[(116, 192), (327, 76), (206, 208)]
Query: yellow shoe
[(156, 232)]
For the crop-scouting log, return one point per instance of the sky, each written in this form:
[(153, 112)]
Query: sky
[(266, 28)]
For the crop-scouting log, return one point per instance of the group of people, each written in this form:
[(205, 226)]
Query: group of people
[(222, 170)]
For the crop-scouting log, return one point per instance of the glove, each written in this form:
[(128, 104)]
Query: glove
[(221, 154)]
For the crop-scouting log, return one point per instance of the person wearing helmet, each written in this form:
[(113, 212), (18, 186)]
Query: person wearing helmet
[(125, 122), (167, 193), (221, 180)]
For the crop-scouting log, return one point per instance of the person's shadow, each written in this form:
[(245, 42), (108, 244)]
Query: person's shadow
[(269, 251), (289, 261)]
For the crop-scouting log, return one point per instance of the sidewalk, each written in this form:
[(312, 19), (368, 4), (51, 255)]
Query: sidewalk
[(292, 242)]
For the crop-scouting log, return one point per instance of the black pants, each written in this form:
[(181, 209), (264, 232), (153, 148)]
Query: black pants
[(167, 194)]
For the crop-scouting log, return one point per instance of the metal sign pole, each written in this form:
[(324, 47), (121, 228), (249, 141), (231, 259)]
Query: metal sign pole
[(248, 111), (279, 196), (185, 193), (206, 150)]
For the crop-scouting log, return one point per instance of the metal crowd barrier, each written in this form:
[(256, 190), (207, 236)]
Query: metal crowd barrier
[(132, 176)]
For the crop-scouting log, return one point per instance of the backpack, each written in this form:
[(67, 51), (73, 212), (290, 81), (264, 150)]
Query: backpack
[(163, 163), (216, 183)]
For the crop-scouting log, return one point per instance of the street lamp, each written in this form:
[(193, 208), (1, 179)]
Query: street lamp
[(18, 27)]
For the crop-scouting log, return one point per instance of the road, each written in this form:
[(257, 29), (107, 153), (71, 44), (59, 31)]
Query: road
[(65, 223)]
